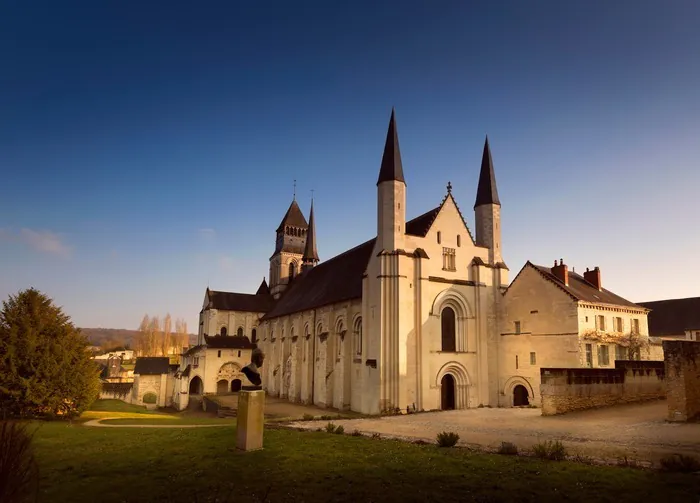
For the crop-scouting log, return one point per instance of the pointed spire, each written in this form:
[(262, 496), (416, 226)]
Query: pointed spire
[(391, 160), (310, 257), (294, 217), (263, 289), (487, 193)]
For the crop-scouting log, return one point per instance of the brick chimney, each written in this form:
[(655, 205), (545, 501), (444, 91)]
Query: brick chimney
[(561, 271), (593, 277)]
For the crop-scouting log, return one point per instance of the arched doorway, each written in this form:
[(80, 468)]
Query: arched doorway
[(447, 390), (520, 396), (224, 332), (222, 386), (236, 385), (254, 337), (196, 386)]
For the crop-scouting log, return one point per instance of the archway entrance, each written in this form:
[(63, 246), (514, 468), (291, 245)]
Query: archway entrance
[(236, 385), (520, 396), (196, 386), (222, 386), (447, 389)]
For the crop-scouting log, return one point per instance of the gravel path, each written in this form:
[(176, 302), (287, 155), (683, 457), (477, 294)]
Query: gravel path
[(638, 431), (98, 423)]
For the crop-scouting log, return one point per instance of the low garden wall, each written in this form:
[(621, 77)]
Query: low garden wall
[(566, 390), (116, 391)]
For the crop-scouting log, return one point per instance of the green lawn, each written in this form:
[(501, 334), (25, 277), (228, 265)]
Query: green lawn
[(174, 419), (83, 464), (118, 406)]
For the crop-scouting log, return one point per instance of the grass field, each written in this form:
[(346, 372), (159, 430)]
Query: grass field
[(85, 464)]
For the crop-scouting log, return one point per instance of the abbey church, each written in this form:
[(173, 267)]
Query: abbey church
[(421, 317)]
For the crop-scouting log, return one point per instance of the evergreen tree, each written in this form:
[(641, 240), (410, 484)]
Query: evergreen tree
[(46, 368)]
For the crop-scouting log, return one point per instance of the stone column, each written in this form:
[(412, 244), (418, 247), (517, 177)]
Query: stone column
[(251, 419)]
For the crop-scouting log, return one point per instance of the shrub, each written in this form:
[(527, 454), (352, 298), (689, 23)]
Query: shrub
[(339, 430), (330, 428), (680, 463), (18, 470), (420, 441), (447, 439), (326, 418), (308, 417), (150, 398), (376, 436), (356, 433), (553, 450), (508, 448)]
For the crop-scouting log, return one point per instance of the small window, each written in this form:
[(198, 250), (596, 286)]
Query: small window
[(517, 327), (239, 354), (533, 359), (600, 322), (603, 355), (448, 259), (586, 319), (618, 324), (239, 332), (589, 355), (516, 362), (224, 331), (218, 353), (459, 240), (439, 237), (621, 353), (635, 326)]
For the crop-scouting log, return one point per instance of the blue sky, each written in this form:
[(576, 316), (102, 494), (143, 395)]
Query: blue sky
[(149, 149)]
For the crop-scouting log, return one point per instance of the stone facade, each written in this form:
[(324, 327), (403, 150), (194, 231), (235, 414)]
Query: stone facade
[(683, 379), (155, 384), (568, 390)]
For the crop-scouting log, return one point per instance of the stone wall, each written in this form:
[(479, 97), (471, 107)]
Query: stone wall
[(116, 391), (567, 390), (682, 359)]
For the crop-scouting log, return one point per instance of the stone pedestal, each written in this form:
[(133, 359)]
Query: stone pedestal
[(250, 418)]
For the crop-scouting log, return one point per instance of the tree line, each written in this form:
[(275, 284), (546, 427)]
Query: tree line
[(156, 338)]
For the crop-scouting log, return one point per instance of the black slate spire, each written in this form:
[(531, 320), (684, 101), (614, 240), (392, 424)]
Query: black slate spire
[(487, 193), (263, 289), (310, 254), (391, 160), (294, 217)]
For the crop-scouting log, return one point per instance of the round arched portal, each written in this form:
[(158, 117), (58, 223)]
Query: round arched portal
[(520, 396), (236, 385), (222, 386), (447, 389), (196, 386)]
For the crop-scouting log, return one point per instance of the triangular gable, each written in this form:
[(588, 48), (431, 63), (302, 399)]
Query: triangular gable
[(423, 223)]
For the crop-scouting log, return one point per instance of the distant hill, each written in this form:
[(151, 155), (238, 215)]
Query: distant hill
[(113, 337)]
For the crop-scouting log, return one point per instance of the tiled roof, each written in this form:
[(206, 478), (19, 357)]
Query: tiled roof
[(673, 316), (294, 217), (152, 365), (334, 280), (229, 301), (582, 290), (228, 342)]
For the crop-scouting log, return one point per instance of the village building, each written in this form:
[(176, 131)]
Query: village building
[(556, 318), (153, 382), (418, 318), (674, 319)]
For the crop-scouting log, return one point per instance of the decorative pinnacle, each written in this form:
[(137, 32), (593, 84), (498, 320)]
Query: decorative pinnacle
[(295, 190), (449, 188)]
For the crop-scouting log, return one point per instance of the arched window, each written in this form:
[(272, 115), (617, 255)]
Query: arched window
[(447, 318), (224, 332), (357, 332), (292, 270), (254, 337), (239, 332)]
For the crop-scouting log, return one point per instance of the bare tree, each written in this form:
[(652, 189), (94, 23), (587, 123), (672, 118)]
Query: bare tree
[(154, 336), (141, 342), (166, 341)]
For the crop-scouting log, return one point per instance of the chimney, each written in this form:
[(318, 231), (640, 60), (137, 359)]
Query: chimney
[(593, 277), (561, 271)]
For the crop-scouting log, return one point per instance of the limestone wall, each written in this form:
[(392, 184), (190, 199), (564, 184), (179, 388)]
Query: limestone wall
[(116, 391), (567, 390), (682, 359)]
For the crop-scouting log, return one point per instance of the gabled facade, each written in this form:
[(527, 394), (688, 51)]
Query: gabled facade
[(556, 318)]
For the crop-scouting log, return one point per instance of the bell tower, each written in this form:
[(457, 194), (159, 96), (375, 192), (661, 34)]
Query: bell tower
[(488, 209), (285, 262)]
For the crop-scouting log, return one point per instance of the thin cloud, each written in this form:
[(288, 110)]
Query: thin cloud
[(207, 233), (41, 241)]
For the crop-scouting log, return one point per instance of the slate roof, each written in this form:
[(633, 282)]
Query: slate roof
[(673, 316), (392, 168), (152, 365), (263, 289), (420, 225), (487, 192), (310, 252), (334, 280), (228, 342), (581, 290), (246, 302), (294, 217)]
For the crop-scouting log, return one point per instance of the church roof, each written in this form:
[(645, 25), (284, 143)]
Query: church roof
[(229, 301), (294, 217), (486, 192), (228, 342), (420, 225), (263, 289), (334, 280), (581, 290), (673, 316), (152, 365), (392, 168)]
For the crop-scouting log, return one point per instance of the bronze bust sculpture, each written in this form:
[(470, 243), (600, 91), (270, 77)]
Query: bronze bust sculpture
[(251, 371)]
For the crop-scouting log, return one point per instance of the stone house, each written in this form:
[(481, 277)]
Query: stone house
[(153, 382), (552, 317), (674, 319)]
